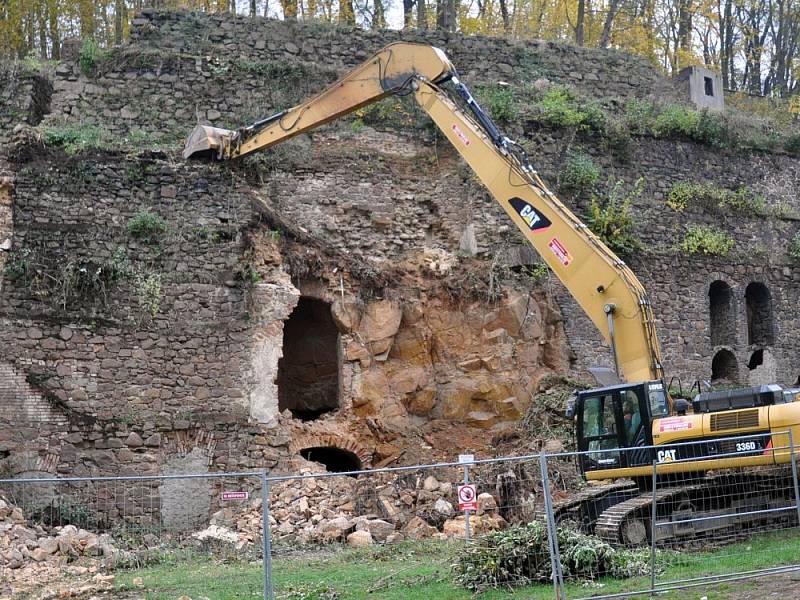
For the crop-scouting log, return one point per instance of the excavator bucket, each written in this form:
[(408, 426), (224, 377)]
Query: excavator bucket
[(206, 142)]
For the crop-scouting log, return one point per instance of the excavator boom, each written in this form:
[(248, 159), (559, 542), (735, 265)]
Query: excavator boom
[(606, 289), (388, 72)]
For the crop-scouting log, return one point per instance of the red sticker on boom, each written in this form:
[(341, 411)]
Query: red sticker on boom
[(560, 251)]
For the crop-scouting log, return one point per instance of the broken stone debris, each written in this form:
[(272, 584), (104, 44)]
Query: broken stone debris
[(382, 509), (30, 554)]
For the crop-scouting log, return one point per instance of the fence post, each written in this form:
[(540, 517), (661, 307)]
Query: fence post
[(794, 477), (653, 516), (467, 532), (267, 546), (552, 535)]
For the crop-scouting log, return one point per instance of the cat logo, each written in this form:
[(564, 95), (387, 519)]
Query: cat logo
[(535, 220), (666, 456)]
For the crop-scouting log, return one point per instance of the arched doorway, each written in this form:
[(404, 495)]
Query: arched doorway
[(724, 367), (722, 314), (308, 372), (760, 320), (336, 460)]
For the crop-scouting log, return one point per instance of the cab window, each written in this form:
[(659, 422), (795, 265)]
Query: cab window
[(631, 416), (658, 400), (600, 430)]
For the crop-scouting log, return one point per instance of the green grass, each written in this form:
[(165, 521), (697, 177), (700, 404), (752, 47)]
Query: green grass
[(422, 570)]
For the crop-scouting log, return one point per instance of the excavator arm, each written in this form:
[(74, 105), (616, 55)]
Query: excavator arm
[(601, 283)]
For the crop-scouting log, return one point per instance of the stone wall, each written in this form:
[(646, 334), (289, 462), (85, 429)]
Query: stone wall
[(144, 355), (24, 97)]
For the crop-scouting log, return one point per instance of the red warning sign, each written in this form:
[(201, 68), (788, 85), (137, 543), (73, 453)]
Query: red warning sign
[(467, 497), (228, 496)]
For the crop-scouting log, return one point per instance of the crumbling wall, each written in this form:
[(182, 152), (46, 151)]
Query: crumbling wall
[(158, 347)]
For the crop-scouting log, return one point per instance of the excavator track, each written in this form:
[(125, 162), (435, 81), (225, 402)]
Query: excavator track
[(580, 508), (628, 522), (729, 504)]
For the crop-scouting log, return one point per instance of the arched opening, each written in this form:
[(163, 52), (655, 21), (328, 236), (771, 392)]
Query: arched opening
[(335, 459), (756, 360), (724, 367), (308, 372), (722, 314), (760, 329)]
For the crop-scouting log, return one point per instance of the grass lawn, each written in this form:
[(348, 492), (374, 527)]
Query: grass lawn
[(422, 570)]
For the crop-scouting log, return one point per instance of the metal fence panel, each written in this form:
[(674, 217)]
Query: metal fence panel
[(136, 529)]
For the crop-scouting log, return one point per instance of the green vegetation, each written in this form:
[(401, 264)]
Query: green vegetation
[(394, 112), (90, 54), (561, 107), (424, 570), (705, 239), (679, 121), (76, 137), (147, 226), (519, 556), (499, 100), (148, 293), (610, 216), (580, 174), (708, 195), (639, 116), (794, 248)]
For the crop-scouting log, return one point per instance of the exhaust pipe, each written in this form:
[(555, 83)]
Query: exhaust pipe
[(208, 142)]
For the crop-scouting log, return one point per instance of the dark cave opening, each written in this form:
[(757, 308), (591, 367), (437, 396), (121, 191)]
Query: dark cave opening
[(308, 372), (336, 460), (756, 359), (722, 313), (760, 320), (724, 366)]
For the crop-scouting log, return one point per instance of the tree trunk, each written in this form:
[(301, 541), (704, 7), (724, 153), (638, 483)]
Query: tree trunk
[(346, 14), (408, 13), (580, 23), (422, 15), (503, 14), (379, 17), (613, 10)]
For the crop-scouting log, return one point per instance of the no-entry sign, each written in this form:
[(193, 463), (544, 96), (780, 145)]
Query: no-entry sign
[(467, 497), (235, 495)]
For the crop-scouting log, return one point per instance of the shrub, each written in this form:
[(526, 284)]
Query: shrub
[(676, 121), (639, 115), (520, 555), (580, 174), (559, 107), (704, 239), (742, 200), (88, 56), (499, 100), (75, 137), (617, 139), (794, 248), (610, 216), (792, 144), (147, 226)]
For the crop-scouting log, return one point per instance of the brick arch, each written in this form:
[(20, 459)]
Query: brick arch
[(333, 440), (30, 462)]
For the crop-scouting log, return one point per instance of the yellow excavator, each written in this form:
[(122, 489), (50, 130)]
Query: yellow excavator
[(615, 424)]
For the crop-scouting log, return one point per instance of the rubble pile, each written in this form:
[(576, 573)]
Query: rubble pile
[(30, 553), (380, 509)]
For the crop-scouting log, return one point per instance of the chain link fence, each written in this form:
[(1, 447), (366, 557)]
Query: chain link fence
[(531, 518)]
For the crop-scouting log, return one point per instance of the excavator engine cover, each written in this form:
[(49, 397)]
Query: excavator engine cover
[(206, 142)]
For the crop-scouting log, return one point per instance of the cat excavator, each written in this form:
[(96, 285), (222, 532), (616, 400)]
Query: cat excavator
[(621, 428)]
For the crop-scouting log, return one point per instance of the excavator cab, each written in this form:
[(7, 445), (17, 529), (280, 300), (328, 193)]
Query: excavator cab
[(613, 422)]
